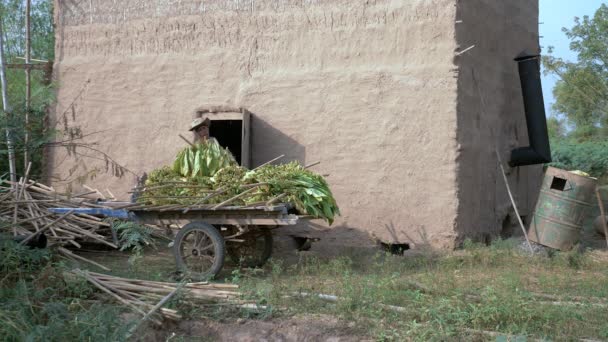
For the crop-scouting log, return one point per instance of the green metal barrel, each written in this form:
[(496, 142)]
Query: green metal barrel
[(565, 202)]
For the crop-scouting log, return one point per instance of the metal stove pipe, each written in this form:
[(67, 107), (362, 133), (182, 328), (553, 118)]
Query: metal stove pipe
[(539, 151)]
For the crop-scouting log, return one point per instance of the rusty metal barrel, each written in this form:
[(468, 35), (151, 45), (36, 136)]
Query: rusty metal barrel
[(566, 200)]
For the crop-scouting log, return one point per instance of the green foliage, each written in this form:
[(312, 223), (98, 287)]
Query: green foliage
[(454, 296), (202, 160), (581, 94), (16, 259), (308, 191), (38, 302), (41, 31), (30, 311), (42, 41), (205, 167), (134, 237), (591, 157)]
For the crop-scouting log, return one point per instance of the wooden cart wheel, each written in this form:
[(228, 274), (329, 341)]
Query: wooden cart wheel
[(199, 250), (254, 251)]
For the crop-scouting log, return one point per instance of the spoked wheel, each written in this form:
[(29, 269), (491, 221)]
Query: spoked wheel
[(199, 250), (254, 251)]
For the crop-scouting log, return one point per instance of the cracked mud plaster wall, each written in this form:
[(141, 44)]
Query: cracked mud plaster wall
[(369, 88), (491, 113)]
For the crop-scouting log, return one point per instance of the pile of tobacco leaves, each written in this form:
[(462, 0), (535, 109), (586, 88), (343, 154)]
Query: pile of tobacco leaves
[(206, 173)]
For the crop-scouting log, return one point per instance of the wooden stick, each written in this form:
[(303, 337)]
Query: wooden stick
[(602, 213), (232, 199), (186, 140), (274, 200), (312, 164), (94, 191), (111, 194), (91, 235), (26, 240), (270, 161), (16, 210), (206, 198), (521, 224), (21, 191), (33, 219), (154, 309), (68, 253), (106, 290)]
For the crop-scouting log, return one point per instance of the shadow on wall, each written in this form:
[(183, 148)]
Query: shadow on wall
[(267, 143), (314, 238)]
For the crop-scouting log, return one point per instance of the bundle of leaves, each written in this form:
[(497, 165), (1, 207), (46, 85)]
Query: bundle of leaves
[(306, 190), (166, 186), (203, 159), (207, 167)]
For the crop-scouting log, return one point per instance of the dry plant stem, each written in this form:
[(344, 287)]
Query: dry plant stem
[(600, 203)]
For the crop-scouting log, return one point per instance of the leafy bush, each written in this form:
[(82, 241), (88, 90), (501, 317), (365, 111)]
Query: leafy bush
[(591, 157), (133, 236)]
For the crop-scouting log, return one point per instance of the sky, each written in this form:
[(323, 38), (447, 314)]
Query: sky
[(555, 14)]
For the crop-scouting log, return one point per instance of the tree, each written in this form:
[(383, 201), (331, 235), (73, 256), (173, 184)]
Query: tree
[(581, 94), (12, 13)]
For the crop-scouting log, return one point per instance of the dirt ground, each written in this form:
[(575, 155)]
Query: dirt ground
[(298, 328)]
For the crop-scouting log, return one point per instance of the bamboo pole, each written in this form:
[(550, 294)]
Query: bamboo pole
[(28, 85), (26, 240), (69, 253), (7, 110), (153, 310), (270, 161), (232, 199), (521, 224)]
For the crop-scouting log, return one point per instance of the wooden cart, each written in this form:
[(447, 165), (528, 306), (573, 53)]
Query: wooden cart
[(206, 236)]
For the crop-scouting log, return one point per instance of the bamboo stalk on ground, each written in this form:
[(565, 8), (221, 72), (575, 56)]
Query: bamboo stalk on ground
[(143, 295)]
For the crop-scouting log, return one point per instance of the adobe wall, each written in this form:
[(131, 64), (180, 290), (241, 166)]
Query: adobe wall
[(491, 113), (366, 87)]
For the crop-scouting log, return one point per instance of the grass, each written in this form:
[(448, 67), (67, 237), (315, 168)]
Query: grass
[(446, 297), (460, 295), (38, 302)]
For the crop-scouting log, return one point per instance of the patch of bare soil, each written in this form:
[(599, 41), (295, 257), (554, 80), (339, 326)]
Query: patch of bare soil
[(297, 328)]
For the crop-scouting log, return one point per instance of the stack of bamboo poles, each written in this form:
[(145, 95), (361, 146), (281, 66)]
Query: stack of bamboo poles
[(24, 212), (147, 297)]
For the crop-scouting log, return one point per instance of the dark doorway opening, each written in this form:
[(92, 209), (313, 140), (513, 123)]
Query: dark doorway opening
[(395, 248), (229, 134)]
